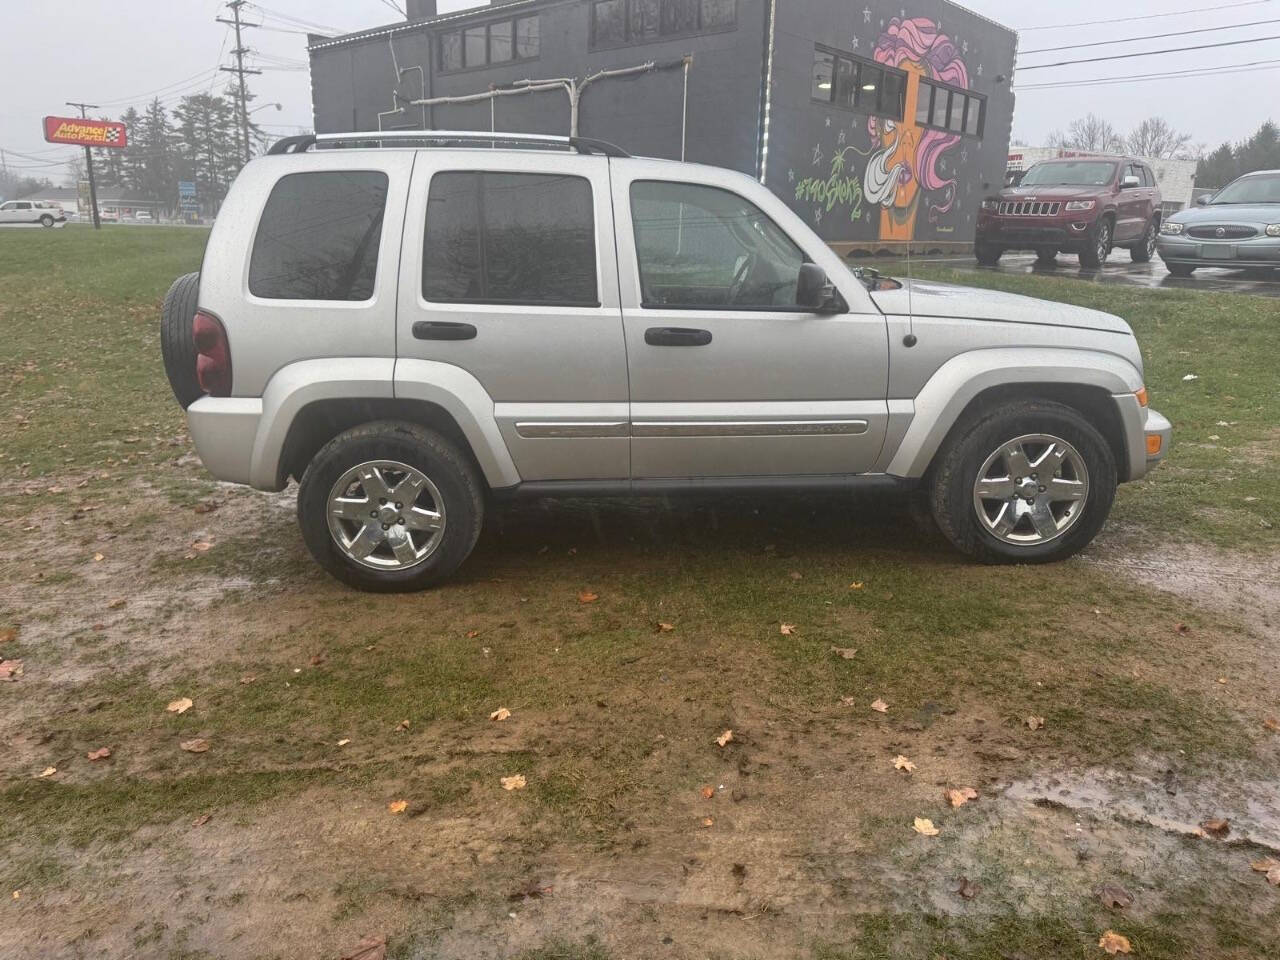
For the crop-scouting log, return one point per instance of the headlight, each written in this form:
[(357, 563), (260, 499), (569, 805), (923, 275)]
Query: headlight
[(1079, 205), (990, 205), (1171, 228), (1273, 230)]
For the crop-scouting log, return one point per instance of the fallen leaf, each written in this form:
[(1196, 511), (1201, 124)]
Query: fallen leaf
[(902, 763), (796, 575), (1272, 723), (180, 706), (1114, 943), (707, 792), (724, 737), (371, 947), (1273, 876), (848, 701), (398, 806), (960, 796), (117, 603), (344, 741), (532, 892), (10, 670), (402, 725), (248, 678), (924, 826), (317, 659), (100, 754), (201, 546), (201, 820), (879, 706), (1269, 866), (588, 597), (472, 634), (198, 745), (46, 772), (98, 558), (1035, 723), (500, 714), (8, 634), (708, 821), (787, 629), (845, 653), (17, 894), (665, 627), (1182, 628), (857, 585), (964, 887), (207, 506), (1216, 827), (1114, 897), (514, 782)]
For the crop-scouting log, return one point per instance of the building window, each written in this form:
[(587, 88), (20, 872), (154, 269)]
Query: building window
[(615, 22), (947, 108), (501, 41), (857, 84), (510, 238), (318, 237)]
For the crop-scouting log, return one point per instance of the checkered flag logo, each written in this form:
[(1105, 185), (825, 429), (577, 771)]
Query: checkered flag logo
[(113, 135)]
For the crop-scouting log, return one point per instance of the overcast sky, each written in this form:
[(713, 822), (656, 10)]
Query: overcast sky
[(121, 52)]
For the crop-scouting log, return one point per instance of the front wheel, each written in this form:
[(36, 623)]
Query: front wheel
[(1144, 249), (46, 221), (1098, 249), (1030, 483), (390, 507)]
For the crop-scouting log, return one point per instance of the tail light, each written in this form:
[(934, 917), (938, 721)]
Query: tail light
[(213, 355)]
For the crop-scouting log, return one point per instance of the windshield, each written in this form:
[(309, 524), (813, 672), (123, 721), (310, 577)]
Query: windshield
[(1075, 173), (1259, 189)]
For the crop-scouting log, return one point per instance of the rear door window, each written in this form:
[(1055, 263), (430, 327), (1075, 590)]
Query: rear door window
[(319, 236), (510, 238)]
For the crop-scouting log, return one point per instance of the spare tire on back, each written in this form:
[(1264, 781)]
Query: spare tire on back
[(177, 344)]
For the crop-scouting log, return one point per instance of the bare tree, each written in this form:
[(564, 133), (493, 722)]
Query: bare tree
[(1091, 133), (1155, 137)]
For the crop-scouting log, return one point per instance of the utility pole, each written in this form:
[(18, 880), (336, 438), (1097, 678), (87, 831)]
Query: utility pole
[(88, 162), (242, 94)]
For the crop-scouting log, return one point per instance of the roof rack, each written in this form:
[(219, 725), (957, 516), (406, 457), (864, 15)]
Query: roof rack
[(584, 145)]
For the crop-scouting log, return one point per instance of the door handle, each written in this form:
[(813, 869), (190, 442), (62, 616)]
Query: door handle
[(676, 337), (443, 330)]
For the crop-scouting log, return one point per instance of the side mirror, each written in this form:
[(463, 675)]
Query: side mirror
[(813, 289), (1129, 183), (1202, 200)]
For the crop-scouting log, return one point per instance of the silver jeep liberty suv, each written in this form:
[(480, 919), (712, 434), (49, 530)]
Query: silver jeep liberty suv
[(415, 323)]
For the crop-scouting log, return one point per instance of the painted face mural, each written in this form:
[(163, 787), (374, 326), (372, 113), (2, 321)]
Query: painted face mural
[(904, 159)]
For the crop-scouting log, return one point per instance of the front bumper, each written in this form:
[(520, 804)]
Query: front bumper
[(1029, 233), (1157, 433), (1256, 252)]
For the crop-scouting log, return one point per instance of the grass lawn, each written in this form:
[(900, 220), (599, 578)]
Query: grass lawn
[(131, 580)]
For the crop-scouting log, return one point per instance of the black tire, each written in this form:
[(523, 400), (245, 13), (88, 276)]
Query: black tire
[(447, 467), (1181, 269), (1047, 256), (955, 471), (177, 344), (1145, 249), (46, 220), (1095, 252), (986, 254)]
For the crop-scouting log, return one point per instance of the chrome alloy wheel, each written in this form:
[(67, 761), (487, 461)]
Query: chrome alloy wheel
[(1102, 245), (1031, 490), (386, 515), (1149, 240)]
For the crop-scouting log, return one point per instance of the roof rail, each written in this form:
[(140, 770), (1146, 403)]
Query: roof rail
[(584, 145)]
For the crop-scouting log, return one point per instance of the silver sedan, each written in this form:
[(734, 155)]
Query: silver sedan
[(1239, 226)]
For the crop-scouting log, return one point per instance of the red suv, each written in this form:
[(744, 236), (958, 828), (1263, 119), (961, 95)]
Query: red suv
[(1081, 205)]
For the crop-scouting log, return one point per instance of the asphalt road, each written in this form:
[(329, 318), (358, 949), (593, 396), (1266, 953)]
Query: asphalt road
[(1121, 270)]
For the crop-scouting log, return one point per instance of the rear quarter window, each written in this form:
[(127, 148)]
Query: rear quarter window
[(319, 235)]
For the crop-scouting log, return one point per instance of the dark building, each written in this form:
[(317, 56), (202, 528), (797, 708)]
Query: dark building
[(880, 122)]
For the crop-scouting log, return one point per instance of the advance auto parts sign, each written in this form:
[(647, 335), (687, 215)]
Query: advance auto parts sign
[(85, 133)]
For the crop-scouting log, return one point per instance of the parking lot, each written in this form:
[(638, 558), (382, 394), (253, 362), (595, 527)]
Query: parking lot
[(928, 757)]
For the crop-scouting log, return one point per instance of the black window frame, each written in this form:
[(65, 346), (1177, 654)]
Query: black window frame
[(512, 23), (376, 245), (663, 18), (971, 98), (480, 243), (860, 68)]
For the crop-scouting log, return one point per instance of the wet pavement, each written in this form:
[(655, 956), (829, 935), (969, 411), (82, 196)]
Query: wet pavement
[(1120, 270)]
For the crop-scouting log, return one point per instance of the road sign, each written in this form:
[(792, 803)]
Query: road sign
[(86, 133), (186, 188)]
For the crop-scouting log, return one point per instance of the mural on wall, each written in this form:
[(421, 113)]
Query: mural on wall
[(900, 171)]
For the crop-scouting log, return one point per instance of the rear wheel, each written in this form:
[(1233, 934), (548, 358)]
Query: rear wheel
[(1030, 483), (46, 220), (390, 507), (1181, 269), (1144, 249), (987, 254), (177, 345), (1098, 248)]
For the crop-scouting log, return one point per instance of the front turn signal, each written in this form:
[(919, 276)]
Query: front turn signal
[(1142, 396), (1154, 443)]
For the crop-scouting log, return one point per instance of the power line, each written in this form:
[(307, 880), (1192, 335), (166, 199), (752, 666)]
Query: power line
[(203, 74), (1153, 36), (1171, 75), (286, 18), (1151, 16), (1149, 53), (390, 4)]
